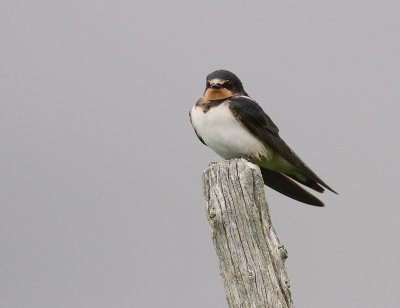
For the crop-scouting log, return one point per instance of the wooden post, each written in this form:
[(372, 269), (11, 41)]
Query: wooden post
[(251, 259)]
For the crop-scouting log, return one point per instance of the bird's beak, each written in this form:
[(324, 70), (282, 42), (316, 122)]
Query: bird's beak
[(215, 86)]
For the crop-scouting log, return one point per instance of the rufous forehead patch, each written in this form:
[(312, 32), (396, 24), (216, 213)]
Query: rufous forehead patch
[(217, 81)]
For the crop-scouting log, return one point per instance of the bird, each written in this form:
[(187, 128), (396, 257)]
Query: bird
[(226, 119)]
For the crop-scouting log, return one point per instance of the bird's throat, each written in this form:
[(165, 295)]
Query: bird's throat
[(216, 94)]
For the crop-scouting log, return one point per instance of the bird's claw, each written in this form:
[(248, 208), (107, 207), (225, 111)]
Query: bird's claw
[(248, 158)]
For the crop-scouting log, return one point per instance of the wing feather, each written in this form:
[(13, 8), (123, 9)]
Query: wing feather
[(251, 115)]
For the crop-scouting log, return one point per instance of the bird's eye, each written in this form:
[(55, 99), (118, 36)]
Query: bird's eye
[(228, 85)]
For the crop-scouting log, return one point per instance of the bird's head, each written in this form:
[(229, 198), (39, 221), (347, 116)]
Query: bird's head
[(222, 84)]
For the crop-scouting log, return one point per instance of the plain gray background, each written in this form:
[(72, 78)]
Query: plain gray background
[(100, 175)]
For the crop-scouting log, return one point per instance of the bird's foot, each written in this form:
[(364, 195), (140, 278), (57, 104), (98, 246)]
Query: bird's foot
[(248, 158)]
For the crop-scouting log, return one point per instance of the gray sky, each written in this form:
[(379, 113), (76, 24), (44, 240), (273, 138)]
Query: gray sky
[(100, 171)]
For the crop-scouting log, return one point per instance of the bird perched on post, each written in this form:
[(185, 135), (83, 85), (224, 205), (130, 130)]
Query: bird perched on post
[(227, 120)]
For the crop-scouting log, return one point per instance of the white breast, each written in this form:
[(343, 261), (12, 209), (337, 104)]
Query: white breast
[(225, 135)]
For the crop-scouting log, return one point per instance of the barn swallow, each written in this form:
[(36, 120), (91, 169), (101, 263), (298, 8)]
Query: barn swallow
[(227, 120)]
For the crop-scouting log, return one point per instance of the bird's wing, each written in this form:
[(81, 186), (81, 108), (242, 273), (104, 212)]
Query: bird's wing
[(251, 115)]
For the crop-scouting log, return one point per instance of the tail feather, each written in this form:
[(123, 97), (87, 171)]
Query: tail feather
[(288, 187), (307, 182)]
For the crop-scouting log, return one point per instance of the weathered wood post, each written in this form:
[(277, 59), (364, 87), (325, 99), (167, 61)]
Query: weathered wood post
[(251, 259)]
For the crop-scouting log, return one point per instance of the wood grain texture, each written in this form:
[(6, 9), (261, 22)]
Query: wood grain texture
[(251, 259)]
